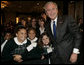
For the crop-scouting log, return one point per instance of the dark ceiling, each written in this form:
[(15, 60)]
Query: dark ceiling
[(28, 6), (25, 6)]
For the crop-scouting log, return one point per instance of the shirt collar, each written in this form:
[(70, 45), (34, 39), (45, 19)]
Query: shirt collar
[(19, 43), (34, 40), (46, 46), (55, 21)]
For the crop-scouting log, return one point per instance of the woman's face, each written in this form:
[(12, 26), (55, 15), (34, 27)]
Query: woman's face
[(33, 22), (31, 34), (45, 40), (21, 35), (41, 23)]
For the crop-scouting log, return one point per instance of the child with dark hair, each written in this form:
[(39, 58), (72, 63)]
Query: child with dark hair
[(46, 45), (15, 49), (32, 37)]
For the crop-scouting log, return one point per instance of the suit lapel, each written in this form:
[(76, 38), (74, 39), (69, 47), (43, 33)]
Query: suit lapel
[(51, 30), (51, 34), (58, 28)]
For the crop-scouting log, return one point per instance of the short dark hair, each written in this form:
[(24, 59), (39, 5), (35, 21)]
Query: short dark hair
[(31, 28), (18, 28), (42, 19)]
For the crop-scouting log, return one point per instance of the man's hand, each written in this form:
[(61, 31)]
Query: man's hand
[(18, 58), (73, 58)]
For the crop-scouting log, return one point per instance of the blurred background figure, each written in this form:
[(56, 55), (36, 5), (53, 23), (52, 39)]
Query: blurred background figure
[(41, 26), (7, 37), (23, 22), (33, 23), (80, 24), (43, 15)]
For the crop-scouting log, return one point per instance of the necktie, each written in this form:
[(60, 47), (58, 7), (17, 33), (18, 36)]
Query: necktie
[(54, 29)]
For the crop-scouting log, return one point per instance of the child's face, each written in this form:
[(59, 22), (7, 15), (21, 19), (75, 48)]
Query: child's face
[(21, 35), (31, 34), (45, 40), (41, 23)]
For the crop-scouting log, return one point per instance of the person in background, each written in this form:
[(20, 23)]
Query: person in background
[(23, 22), (43, 15), (7, 37), (80, 24), (2, 34), (33, 23), (41, 28)]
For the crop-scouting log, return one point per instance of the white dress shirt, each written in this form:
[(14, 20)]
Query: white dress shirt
[(52, 23), (33, 44), (41, 30), (19, 43)]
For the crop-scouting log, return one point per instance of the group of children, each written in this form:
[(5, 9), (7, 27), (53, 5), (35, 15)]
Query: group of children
[(26, 48)]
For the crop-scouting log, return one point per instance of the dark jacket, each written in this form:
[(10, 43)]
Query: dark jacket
[(31, 57), (9, 50), (67, 37)]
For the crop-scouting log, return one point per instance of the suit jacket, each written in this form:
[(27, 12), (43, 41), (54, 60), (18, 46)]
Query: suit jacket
[(67, 37)]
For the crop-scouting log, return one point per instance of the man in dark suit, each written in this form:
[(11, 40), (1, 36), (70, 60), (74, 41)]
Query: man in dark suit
[(64, 34)]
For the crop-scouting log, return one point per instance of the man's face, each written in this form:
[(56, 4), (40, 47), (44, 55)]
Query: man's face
[(51, 11)]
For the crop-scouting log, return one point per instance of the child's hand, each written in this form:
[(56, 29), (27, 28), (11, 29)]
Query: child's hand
[(42, 57), (18, 58)]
